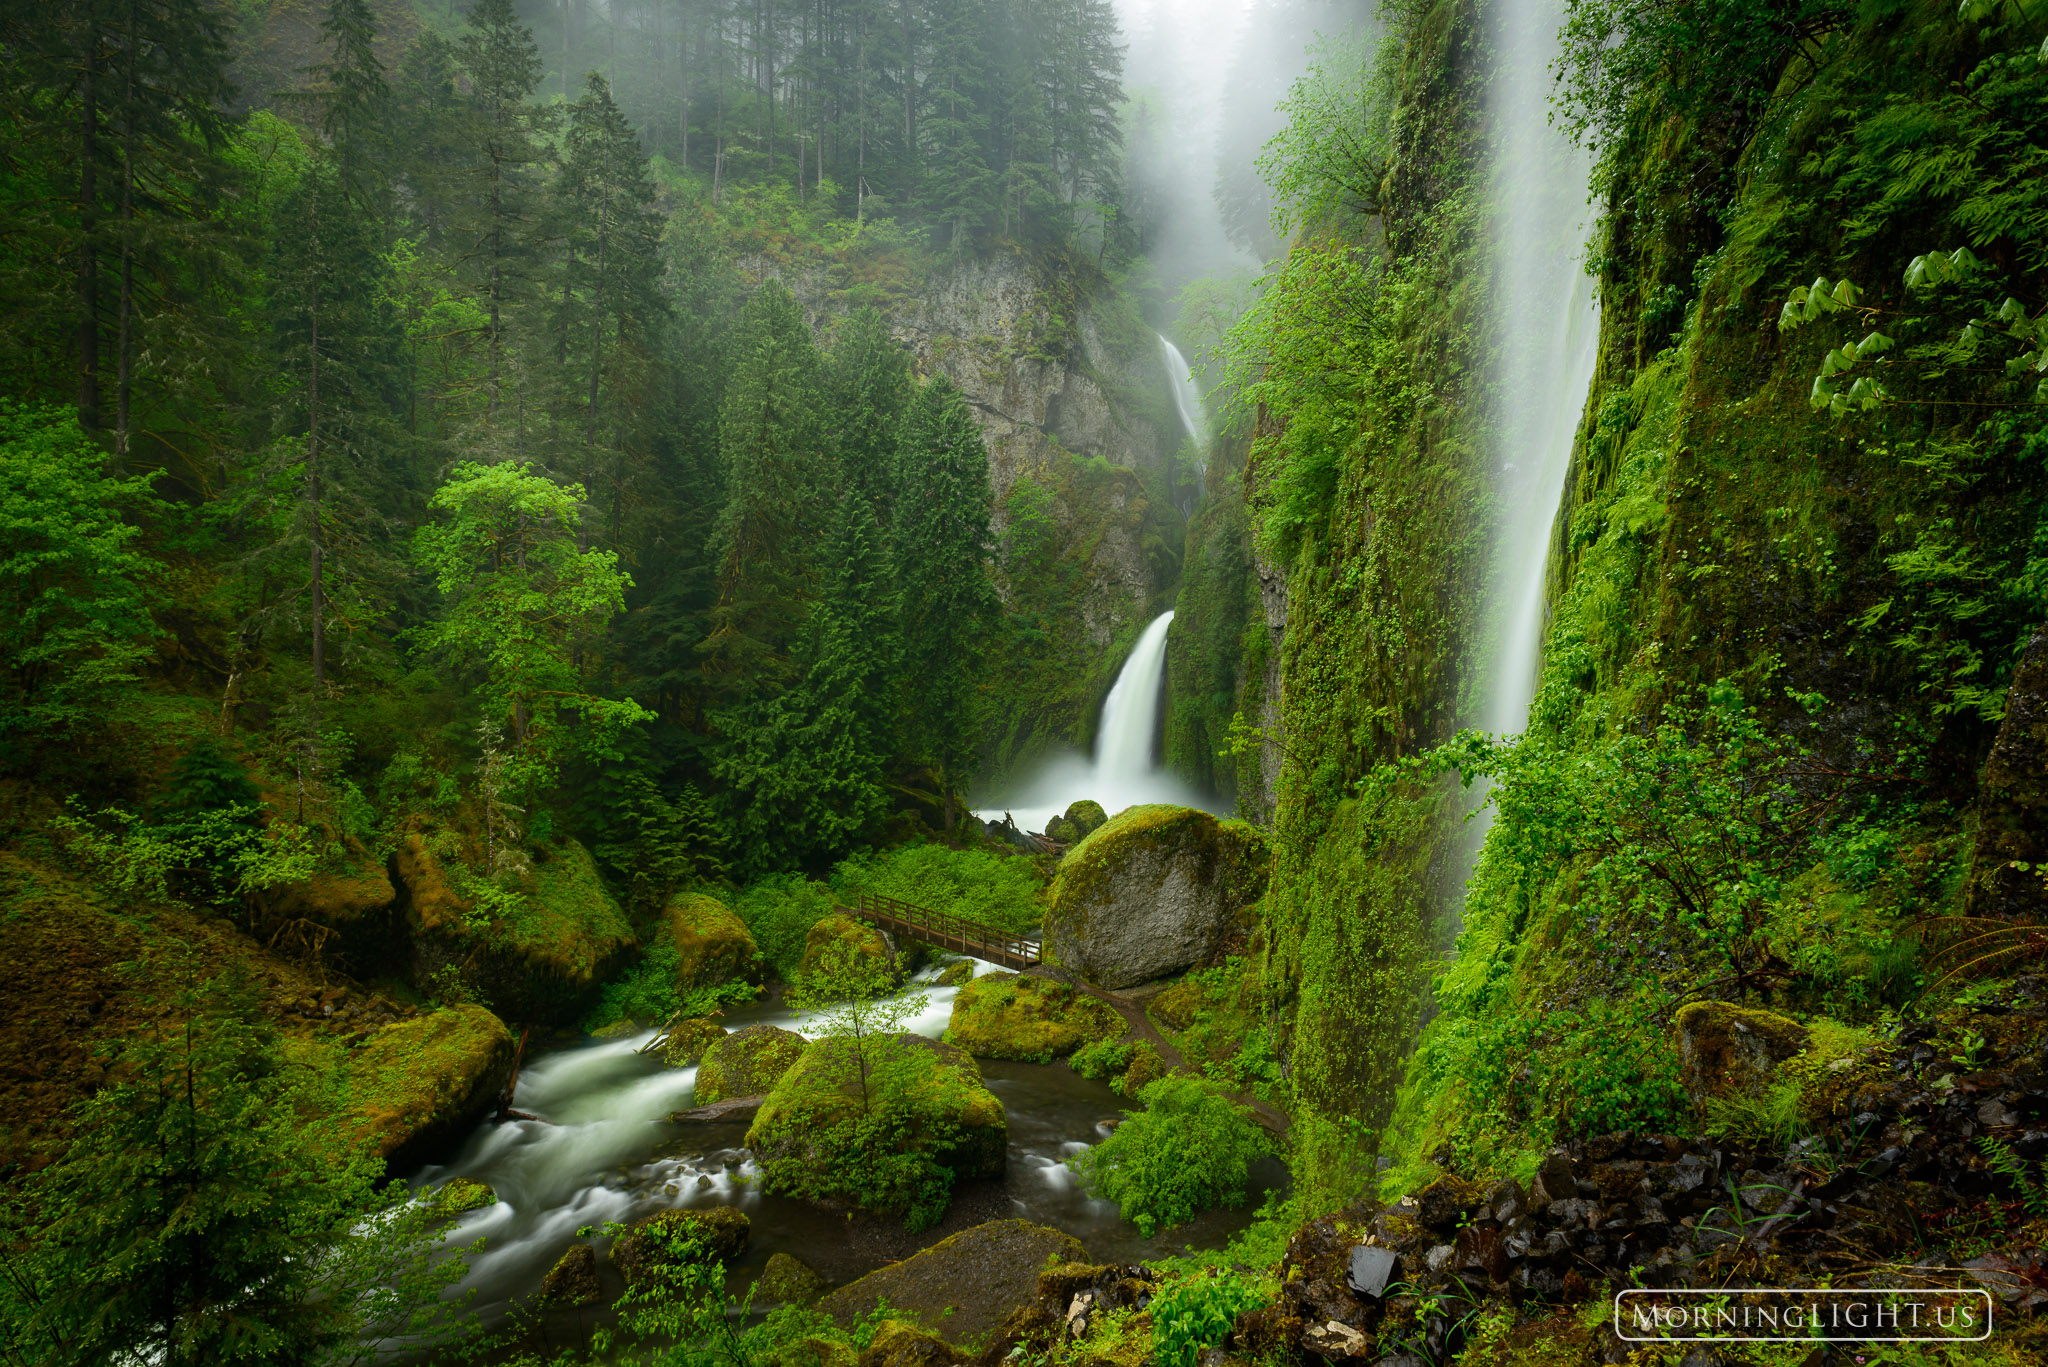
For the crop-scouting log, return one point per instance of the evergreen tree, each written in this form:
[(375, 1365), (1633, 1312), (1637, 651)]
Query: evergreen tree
[(942, 547), (958, 189), (804, 769), (870, 391), (771, 440)]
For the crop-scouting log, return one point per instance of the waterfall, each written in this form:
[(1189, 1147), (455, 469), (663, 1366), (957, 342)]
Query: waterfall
[(1187, 398), (1124, 770), (1549, 326)]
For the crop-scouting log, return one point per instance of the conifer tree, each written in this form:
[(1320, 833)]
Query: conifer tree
[(942, 547), (772, 443), (870, 391)]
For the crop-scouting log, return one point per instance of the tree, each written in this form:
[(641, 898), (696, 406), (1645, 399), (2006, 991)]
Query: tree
[(772, 441), (525, 605), (201, 1218), (804, 768), (1190, 1148), (942, 547), (74, 628), (871, 387)]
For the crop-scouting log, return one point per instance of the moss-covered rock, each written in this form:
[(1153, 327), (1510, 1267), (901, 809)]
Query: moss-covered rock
[(1086, 817), (1027, 1018), (432, 903), (898, 1343), (1733, 1051), (460, 1196), (654, 1247), (1175, 1008), (572, 1281), (932, 1090), (788, 1281), (712, 945), (981, 1275), (564, 938), (417, 1083), (841, 946), (1154, 892), (747, 1062), (690, 1040), (958, 972)]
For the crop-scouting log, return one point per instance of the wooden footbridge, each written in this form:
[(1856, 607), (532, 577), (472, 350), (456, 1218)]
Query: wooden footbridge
[(945, 932)]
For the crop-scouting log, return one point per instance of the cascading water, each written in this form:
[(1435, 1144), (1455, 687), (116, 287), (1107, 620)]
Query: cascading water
[(1187, 398), (1124, 771), (1549, 324)]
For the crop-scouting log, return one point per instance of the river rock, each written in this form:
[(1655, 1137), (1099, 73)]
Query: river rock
[(712, 945), (901, 1344), (958, 972), (747, 1062), (670, 1239), (1027, 1018), (1733, 1051), (688, 1042), (460, 1196), (422, 1081), (982, 1275), (572, 1281), (839, 946), (934, 1088), (732, 1109), (1086, 817), (788, 1281), (1154, 892)]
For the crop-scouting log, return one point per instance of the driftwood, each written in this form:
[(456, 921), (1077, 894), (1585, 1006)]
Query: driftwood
[(661, 1035), (732, 1108)]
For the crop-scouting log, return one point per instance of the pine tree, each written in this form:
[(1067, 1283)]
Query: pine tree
[(870, 391), (772, 443), (942, 547), (957, 188)]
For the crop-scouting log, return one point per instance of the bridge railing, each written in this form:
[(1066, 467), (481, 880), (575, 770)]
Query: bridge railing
[(947, 931)]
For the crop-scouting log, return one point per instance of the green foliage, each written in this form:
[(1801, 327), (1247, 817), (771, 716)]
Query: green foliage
[(1189, 1149), (74, 628), (1199, 1313), (202, 1216), (779, 911), (1102, 1059), (647, 995), (878, 1160), (1326, 164), (978, 885)]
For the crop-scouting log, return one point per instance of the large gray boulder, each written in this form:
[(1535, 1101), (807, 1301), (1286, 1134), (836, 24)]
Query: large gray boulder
[(1152, 893)]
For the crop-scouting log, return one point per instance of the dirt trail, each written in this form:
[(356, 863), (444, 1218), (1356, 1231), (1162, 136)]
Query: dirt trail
[(1142, 1027)]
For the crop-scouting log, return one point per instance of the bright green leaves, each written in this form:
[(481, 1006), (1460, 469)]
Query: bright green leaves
[(1189, 1149), (1809, 302), (1939, 268), (1864, 392)]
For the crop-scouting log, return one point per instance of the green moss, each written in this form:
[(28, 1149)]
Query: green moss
[(688, 1041), (653, 1248), (748, 1062), (712, 945), (1027, 1018), (840, 946), (460, 1196), (421, 1076), (787, 1281)]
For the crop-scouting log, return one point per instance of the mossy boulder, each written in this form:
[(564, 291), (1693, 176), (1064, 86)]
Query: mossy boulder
[(981, 1275), (839, 946), (1063, 830), (712, 945), (358, 901), (551, 954), (1175, 1008), (1146, 1066), (958, 972), (461, 1196), (898, 1343), (1152, 893), (420, 1082), (1733, 1052), (690, 1041), (934, 1090), (788, 1281), (432, 904), (1027, 1018), (670, 1239), (747, 1062), (814, 1350), (572, 1281), (1086, 817)]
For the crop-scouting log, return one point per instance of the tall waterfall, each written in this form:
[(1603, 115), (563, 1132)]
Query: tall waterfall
[(1549, 324), (1187, 397), (1124, 771)]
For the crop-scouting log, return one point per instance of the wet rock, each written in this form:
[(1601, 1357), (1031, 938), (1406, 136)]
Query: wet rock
[(460, 1196), (957, 973), (732, 1109), (418, 1083), (690, 1040), (747, 1062), (654, 1248), (1733, 1051), (1154, 892), (1086, 817), (1027, 1018), (1371, 1269), (712, 945), (840, 945), (898, 1344), (572, 1281), (788, 1281)]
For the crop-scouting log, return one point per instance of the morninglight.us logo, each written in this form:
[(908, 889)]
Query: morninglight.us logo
[(1780, 1314)]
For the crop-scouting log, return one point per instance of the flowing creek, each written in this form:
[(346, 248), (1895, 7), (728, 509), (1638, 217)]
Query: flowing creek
[(604, 1150)]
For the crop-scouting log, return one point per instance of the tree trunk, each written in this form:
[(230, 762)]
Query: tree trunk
[(88, 230), (313, 471)]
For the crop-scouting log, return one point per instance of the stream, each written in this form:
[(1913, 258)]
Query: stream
[(604, 1150)]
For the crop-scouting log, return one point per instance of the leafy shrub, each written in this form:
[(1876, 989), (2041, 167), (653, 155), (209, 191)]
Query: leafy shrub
[(974, 884), (647, 993), (1102, 1060), (779, 911), (1189, 1149), (1192, 1315)]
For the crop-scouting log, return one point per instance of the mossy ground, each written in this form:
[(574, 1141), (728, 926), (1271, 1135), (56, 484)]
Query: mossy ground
[(1027, 1018)]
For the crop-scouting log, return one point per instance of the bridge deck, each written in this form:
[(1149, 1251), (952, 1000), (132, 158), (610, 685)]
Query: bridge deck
[(945, 931)]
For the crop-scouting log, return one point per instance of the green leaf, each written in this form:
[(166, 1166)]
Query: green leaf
[(1873, 344), (1846, 294)]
